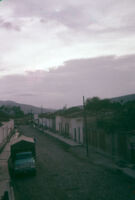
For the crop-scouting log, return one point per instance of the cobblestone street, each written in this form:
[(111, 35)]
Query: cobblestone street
[(62, 175)]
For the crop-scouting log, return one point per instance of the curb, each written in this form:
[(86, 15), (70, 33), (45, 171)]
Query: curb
[(61, 139), (67, 141), (128, 172), (11, 191), (8, 194)]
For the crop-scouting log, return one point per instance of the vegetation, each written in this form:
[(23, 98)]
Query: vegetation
[(112, 116), (3, 116), (7, 112), (97, 105)]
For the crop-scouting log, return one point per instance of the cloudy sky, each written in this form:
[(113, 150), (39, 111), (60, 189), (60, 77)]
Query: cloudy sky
[(52, 52)]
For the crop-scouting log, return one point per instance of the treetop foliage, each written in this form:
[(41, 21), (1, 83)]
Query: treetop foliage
[(122, 118), (96, 104), (7, 112)]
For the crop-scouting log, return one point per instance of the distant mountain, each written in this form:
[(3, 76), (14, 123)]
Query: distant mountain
[(123, 99), (26, 108)]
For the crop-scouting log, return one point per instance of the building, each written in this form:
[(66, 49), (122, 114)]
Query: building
[(5, 130), (70, 124)]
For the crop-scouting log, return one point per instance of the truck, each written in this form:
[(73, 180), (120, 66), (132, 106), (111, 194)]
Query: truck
[(22, 158)]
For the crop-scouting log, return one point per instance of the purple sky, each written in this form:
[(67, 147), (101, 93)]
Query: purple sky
[(55, 51)]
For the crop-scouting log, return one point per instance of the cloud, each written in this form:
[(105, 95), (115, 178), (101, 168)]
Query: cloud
[(79, 15), (27, 95), (41, 34), (9, 26), (107, 76)]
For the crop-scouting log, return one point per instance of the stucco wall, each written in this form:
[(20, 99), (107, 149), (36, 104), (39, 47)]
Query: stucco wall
[(75, 125), (58, 120), (5, 130), (76, 129)]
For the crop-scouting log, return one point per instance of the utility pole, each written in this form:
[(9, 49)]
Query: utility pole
[(42, 116), (85, 126), (31, 116)]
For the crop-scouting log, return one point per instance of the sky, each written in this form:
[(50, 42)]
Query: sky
[(54, 52)]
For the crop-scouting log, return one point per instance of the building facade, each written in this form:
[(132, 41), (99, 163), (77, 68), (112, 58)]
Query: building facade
[(5, 131)]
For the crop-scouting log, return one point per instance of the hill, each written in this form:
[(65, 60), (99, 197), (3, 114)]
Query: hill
[(25, 108), (124, 99)]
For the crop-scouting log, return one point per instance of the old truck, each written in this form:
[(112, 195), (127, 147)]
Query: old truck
[(22, 158)]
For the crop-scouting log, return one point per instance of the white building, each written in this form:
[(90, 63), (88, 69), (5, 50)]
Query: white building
[(70, 127), (47, 120), (5, 130), (76, 129), (36, 118)]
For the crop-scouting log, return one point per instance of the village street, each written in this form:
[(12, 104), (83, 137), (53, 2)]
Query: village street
[(63, 176)]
